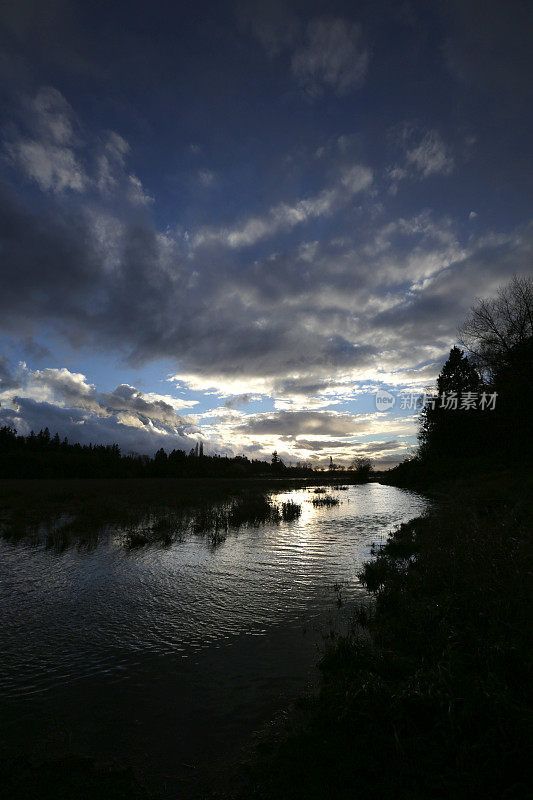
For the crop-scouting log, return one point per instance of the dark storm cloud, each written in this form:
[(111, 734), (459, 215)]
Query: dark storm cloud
[(238, 401), (131, 288), (442, 303), (301, 387), (293, 423), (101, 279), (332, 444)]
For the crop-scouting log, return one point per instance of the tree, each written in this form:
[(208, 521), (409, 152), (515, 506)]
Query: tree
[(447, 429), (362, 466), (458, 374), (277, 463), (497, 325)]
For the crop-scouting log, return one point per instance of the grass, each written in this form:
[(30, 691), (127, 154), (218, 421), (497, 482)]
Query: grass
[(290, 511), (429, 694), (325, 501)]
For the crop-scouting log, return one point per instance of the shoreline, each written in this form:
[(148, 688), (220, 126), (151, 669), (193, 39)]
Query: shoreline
[(428, 695)]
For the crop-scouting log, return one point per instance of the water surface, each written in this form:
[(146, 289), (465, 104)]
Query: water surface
[(169, 657)]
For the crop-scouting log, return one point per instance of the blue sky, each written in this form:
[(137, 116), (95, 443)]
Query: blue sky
[(237, 221)]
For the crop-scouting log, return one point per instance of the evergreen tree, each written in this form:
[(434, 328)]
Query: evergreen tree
[(450, 424)]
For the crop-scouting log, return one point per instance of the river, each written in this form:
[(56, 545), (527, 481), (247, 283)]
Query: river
[(169, 658)]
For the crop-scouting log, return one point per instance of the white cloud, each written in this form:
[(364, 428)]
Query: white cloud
[(52, 168), (51, 116), (52, 155), (35, 398), (431, 156), (333, 56), (47, 157), (425, 154), (285, 216)]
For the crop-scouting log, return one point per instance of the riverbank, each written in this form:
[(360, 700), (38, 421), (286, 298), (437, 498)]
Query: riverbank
[(429, 695)]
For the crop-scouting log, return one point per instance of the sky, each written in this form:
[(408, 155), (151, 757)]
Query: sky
[(236, 222)]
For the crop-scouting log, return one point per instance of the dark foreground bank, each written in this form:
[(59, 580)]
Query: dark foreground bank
[(429, 696)]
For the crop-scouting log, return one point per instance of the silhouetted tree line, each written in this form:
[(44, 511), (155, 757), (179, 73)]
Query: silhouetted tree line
[(42, 455), (483, 405)]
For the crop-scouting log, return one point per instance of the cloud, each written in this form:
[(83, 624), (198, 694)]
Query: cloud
[(53, 168), (332, 56), (7, 380), (206, 177), (118, 283), (425, 154), (302, 422), (87, 428), (284, 216), (238, 401), (430, 156), (372, 298), (52, 153), (66, 402), (348, 448), (328, 53), (47, 156)]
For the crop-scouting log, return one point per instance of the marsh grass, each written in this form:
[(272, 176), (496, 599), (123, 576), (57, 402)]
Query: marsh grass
[(290, 511), (326, 501), (60, 514)]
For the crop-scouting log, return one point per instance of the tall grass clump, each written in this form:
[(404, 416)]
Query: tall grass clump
[(290, 511), (326, 501)]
